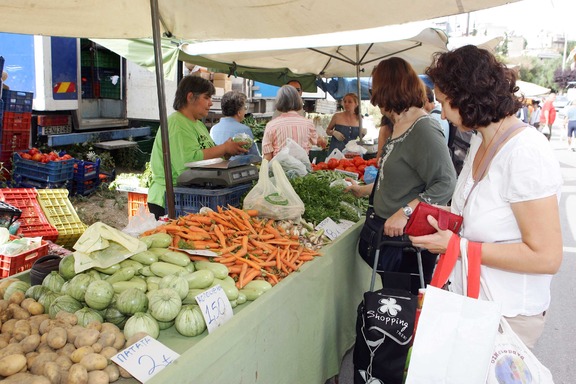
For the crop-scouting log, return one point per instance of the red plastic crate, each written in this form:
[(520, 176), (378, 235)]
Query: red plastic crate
[(10, 265), (135, 201), (33, 221), (15, 140), (15, 121)]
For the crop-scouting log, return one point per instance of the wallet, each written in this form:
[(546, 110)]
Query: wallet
[(418, 223)]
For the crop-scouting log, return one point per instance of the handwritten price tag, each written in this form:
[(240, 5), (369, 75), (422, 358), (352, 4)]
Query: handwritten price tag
[(215, 307), (145, 358), (333, 229)]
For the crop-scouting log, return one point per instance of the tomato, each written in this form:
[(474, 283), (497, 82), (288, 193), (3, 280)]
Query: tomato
[(332, 163), (66, 157), (37, 156), (351, 169), (373, 161), (321, 166), (44, 158), (361, 168), (25, 156), (346, 163), (33, 151), (358, 161)]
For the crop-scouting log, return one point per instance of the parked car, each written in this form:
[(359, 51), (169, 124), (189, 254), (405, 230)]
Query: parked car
[(560, 102)]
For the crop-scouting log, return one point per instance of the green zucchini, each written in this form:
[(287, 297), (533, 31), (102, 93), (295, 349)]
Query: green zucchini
[(230, 290), (121, 286), (124, 274), (162, 269), (145, 257), (220, 271), (145, 271), (132, 263), (200, 279), (177, 258), (158, 251), (259, 284), (159, 240), (252, 293), (190, 297), (241, 298), (110, 270)]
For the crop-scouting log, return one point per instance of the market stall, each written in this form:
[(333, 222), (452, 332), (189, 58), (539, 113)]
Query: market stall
[(297, 332)]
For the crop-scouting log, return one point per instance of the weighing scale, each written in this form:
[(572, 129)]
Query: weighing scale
[(220, 172)]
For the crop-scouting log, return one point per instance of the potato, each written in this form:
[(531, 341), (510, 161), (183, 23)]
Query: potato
[(124, 373), (109, 327), (12, 364), (52, 372), (86, 337), (120, 341), (35, 308), (37, 366), (113, 372), (3, 343), (64, 362), (107, 339), (98, 377), (17, 297), (135, 337), (94, 325), (30, 343), (57, 338), (73, 332), (30, 356), (4, 304), (36, 320), (18, 312), (21, 330), (11, 349), (79, 354), (26, 302), (94, 362), (45, 325), (66, 350), (77, 375), (26, 378), (109, 352), (66, 317), (8, 326)]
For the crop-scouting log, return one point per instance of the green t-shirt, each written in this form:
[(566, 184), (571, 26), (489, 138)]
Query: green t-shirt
[(187, 140), (415, 165)]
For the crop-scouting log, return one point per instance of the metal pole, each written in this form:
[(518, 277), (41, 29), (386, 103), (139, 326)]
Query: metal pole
[(359, 87), (162, 108)]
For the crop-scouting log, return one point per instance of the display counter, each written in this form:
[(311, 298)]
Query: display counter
[(297, 332)]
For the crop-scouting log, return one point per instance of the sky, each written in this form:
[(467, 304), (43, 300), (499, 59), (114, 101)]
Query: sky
[(528, 17)]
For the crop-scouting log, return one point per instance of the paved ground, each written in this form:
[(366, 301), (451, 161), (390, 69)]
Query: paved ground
[(556, 348)]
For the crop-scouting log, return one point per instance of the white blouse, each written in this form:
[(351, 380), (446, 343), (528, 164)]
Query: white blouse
[(524, 169)]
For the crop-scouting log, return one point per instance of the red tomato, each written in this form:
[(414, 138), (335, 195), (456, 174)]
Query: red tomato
[(351, 169), (33, 151), (37, 157), (361, 168), (346, 163), (25, 156), (358, 161), (373, 162), (332, 163)]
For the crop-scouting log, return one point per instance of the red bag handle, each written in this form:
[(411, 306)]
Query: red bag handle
[(447, 262)]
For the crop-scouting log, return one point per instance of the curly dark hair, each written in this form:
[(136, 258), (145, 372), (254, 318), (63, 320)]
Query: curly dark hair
[(396, 86), (232, 102), (477, 84)]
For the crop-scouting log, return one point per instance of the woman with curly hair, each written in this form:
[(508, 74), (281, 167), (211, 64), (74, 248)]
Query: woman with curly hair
[(512, 208)]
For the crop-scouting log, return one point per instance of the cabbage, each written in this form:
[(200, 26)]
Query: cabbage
[(131, 301), (66, 267), (16, 286), (99, 294), (78, 285), (53, 281), (177, 283), (64, 303), (190, 321), (36, 291), (86, 316), (114, 316)]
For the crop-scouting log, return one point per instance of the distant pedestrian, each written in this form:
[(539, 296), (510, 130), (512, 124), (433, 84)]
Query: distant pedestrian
[(548, 115), (570, 123), (535, 115)]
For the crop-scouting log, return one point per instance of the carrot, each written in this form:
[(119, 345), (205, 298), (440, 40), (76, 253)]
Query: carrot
[(244, 248), (252, 212), (250, 275), (191, 236), (175, 241), (220, 235), (240, 282), (199, 257), (229, 249), (294, 267), (236, 268)]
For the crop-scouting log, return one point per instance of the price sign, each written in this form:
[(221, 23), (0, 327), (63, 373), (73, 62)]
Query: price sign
[(145, 358), (215, 307), (333, 229)]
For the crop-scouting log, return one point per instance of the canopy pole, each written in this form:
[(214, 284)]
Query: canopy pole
[(162, 108), (359, 88)]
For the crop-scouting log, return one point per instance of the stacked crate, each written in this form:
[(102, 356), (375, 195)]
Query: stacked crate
[(54, 124), (16, 124), (86, 177), (34, 174)]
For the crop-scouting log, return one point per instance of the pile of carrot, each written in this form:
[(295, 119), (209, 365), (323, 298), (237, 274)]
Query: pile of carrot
[(251, 247)]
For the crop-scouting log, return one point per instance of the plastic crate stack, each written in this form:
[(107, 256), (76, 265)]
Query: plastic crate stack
[(16, 124), (33, 221), (191, 200), (34, 174), (61, 214), (54, 124), (86, 177)]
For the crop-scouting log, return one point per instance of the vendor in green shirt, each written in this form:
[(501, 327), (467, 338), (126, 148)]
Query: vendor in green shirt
[(188, 137)]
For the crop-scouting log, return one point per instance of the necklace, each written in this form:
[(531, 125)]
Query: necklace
[(486, 150)]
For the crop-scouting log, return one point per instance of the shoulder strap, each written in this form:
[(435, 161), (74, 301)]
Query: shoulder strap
[(483, 168), (446, 262)]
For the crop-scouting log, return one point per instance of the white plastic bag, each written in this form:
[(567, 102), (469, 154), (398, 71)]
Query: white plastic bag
[(295, 150), (335, 154), (291, 165), (141, 222), (353, 147), (277, 201)]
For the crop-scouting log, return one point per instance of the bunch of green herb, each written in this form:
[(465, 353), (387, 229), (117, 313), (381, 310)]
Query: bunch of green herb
[(257, 127)]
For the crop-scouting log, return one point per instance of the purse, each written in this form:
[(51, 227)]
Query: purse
[(418, 222)]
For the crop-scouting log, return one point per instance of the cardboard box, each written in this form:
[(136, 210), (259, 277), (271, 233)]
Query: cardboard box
[(225, 84), (219, 92), (221, 76)]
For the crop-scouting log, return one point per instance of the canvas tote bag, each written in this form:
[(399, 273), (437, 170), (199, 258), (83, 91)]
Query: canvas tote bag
[(455, 337)]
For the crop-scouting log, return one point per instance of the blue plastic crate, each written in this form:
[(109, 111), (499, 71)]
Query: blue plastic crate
[(85, 187), (17, 101), (86, 170), (190, 200), (50, 172), (25, 182)]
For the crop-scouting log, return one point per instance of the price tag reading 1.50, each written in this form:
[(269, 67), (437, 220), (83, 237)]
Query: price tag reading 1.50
[(215, 307)]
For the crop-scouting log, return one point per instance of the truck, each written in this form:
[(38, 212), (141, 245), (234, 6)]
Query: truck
[(106, 96)]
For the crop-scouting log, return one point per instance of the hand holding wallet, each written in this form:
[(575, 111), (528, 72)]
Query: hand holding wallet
[(418, 222)]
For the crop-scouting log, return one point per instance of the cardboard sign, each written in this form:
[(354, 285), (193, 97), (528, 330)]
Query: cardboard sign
[(145, 358), (215, 307), (332, 229)]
